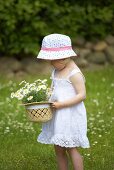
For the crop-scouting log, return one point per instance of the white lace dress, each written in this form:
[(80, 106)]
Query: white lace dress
[(68, 127)]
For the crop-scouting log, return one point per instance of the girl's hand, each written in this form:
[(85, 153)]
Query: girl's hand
[(57, 105)]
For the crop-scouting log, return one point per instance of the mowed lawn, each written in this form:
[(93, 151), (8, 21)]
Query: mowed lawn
[(19, 149)]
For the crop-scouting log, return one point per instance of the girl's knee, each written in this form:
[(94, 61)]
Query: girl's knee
[(70, 150), (60, 150)]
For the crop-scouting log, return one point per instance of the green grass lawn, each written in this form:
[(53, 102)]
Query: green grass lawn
[(19, 149)]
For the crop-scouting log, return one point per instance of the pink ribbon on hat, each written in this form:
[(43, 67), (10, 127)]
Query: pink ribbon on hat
[(56, 48)]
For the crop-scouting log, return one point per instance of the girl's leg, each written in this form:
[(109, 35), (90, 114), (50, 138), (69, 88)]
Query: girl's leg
[(76, 158), (62, 158)]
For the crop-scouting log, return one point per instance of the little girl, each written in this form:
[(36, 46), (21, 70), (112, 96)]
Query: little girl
[(67, 130)]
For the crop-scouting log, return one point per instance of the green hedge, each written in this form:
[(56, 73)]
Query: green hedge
[(23, 23)]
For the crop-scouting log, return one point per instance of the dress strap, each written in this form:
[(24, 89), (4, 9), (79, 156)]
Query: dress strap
[(52, 76), (74, 71)]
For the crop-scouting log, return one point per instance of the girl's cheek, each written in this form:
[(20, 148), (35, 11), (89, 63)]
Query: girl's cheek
[(55, 64)]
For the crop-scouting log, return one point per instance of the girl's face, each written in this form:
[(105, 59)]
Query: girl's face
[(58, 64)]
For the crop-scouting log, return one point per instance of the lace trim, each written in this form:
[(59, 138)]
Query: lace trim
[(64, 141)]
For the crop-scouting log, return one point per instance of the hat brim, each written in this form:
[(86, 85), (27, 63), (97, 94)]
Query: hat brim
[(54, 55)]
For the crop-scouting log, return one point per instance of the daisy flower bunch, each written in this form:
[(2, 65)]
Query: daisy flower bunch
[(38, 91)]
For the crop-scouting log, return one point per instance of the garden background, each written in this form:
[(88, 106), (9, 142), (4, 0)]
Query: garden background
[(23, 24)]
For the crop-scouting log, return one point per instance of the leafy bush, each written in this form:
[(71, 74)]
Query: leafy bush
[(24, 22)]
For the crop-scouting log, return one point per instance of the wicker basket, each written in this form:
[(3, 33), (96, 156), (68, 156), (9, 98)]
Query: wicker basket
[(39, 111)]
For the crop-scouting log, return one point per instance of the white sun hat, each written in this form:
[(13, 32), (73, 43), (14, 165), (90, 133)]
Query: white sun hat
[(56, 46)]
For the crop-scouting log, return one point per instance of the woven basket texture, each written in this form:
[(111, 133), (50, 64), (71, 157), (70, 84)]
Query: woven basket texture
[(40, 114)]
